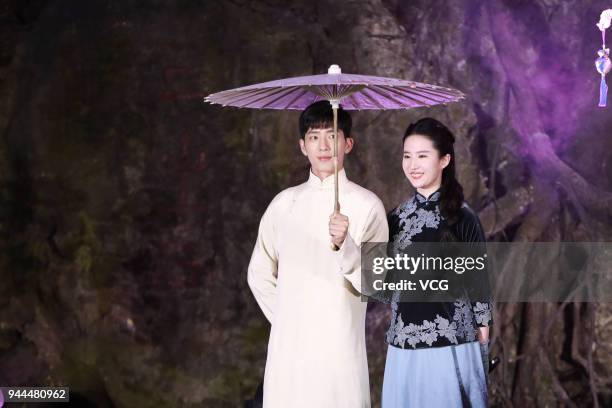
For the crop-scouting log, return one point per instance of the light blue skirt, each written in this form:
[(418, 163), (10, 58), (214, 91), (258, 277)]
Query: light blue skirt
[(428, 377)]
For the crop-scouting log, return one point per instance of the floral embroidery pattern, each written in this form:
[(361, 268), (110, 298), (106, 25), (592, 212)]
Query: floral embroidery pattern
[(414, 215), (461, 327), (410, 225), (464, 318), (482, 312)]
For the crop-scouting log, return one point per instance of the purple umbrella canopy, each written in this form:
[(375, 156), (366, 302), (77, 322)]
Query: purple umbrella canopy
[(353, 92)]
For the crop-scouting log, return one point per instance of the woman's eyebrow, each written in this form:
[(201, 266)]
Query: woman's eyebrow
[(420, 151)]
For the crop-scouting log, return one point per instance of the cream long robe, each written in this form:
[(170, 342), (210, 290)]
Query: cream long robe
[(310, 294)]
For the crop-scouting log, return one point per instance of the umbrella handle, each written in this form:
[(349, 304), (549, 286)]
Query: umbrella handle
[(335, 247)]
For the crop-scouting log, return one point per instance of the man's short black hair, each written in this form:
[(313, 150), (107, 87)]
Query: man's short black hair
[(319, 115)]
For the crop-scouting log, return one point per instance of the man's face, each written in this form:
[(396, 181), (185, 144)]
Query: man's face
[(318, 146)]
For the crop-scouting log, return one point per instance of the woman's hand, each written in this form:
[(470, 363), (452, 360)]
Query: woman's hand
[(483, 335)]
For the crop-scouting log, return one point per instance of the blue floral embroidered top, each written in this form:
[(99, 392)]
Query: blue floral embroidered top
[(433, 324)]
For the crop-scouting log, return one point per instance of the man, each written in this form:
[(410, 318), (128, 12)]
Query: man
[(309, 292)]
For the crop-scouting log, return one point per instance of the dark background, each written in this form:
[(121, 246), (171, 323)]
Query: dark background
[(129, 208)]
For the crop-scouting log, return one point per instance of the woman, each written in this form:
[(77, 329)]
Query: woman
[(436, 349)]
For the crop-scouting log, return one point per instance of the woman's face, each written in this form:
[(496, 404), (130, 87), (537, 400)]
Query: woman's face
[(422, 164)]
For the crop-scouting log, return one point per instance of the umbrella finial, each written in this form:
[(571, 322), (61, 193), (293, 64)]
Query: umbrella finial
[(334, 70)]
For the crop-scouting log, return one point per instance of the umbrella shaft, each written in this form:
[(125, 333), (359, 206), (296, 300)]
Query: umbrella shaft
[(336, 204)]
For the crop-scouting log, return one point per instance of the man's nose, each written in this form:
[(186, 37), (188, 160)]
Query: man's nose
[(324, 143)]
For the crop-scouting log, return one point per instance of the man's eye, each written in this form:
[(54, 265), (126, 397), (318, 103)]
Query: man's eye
[(406, 157), (422, 156)]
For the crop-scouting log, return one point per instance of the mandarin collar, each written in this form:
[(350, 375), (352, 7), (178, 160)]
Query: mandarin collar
[(434, 198), (328, 182)]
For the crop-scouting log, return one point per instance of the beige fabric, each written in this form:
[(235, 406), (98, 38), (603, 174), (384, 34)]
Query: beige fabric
[(309, 293)]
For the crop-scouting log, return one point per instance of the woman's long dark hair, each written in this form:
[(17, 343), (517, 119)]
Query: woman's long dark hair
[(451, 192)]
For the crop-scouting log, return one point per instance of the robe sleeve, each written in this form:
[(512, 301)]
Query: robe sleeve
[(263, 267), (349, 254), (470, 230)]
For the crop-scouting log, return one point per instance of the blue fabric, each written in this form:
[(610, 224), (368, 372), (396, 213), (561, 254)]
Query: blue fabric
[(603, 92), (427, 377)]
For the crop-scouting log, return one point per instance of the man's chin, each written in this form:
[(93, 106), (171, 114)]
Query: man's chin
[(323, 172), (326, 168)]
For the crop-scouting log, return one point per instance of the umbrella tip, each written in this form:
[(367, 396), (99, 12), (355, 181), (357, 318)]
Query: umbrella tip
[(334, 70)]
